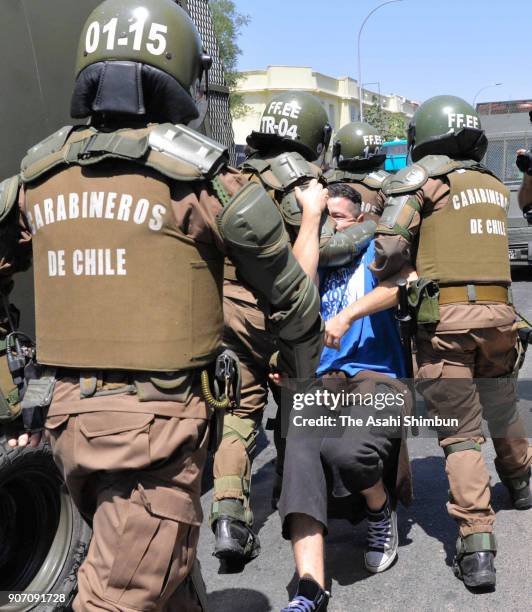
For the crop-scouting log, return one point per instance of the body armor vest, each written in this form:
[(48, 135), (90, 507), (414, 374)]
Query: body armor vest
[(466, 241), (118, 285)]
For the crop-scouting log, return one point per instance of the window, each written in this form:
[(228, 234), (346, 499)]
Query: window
[(398, 149), (504, 108)]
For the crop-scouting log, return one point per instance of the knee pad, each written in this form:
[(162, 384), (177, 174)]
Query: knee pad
[(243, 429)]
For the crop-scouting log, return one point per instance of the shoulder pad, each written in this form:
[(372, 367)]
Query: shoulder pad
[(375, 180), (198, 156), (437, 165), (481, 168), (334, 175), (255, 165), (406, 180), (290, 168), (281, 172), (8, 195), (45, 148)]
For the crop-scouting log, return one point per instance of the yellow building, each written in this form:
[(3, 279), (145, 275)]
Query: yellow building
[(339, 96)]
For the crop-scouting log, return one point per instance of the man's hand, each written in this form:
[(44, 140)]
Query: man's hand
[(313, 200), (24, 439), (524, 161), (281, 380), (335, 329)]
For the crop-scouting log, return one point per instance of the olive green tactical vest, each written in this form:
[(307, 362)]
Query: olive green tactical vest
[(118, 285), (466, 240)]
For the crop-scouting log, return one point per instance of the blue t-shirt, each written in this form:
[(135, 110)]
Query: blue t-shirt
[(371, 343)]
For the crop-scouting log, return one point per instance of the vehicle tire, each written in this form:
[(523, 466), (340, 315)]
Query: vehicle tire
[(43, 538)]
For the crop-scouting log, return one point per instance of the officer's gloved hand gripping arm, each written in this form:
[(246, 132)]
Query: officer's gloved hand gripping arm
[(252, 227)]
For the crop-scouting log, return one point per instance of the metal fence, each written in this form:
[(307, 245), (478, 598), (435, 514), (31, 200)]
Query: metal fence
[(218, 122), (501, 154)]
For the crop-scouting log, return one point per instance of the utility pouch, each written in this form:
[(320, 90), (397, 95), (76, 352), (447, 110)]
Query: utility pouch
[(37, 399), (164, 386), (423, 297), (524, 337)]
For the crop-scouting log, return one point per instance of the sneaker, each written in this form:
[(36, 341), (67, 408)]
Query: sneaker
[(310, 597), (383, 539)]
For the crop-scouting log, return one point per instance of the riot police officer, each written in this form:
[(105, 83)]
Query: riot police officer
[(294, 134), (447, 214), (359, 160), (130, 218)]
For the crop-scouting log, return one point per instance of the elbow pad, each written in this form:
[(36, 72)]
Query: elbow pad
[(343, 247), (253, 228), (398, 216)]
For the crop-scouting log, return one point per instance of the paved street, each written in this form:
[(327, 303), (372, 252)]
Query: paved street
[(422, 578)]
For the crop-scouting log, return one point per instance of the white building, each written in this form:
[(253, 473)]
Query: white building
[(339, 96)]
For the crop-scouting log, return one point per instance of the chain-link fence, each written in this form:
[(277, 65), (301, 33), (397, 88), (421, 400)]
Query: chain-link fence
[(501, 154), (218, 122)]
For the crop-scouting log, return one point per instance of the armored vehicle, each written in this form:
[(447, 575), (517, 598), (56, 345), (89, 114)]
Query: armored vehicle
[(509, 128)]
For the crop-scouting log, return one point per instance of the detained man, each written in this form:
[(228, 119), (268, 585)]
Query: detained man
[(344, 471)]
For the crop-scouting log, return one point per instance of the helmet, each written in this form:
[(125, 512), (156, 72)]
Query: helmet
[(139, 57), (446, 125), (357, 146), (293, 121)]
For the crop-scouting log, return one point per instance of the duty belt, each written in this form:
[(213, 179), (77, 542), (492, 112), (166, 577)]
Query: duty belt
[(475, 293)]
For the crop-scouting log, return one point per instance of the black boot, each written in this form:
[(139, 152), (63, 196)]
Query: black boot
[(310, 597), (235, 541), (519, 489), (475, 560)]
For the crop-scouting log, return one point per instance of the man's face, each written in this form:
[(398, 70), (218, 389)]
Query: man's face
[(344, 212)]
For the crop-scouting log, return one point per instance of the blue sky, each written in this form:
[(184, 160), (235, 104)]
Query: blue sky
[(416, 48)]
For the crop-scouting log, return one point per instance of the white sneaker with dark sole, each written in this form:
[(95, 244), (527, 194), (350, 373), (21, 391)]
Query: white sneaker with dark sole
[(383, 539)]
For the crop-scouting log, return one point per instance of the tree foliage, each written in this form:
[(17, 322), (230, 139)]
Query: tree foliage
[(228, 24), (393, 126)]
